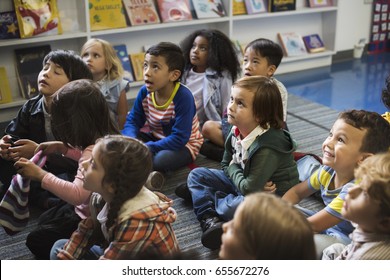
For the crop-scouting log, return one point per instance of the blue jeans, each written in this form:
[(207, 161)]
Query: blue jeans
[(205, 184), (167, 160), (92, 254)]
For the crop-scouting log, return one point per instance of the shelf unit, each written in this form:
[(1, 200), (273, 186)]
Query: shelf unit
[(76, 27)]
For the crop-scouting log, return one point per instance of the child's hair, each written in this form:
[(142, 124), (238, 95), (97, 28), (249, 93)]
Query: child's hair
[(80, 114), (267, 49), (113, 63), (275, 230), (171, 52), (374, 176), (222, 54), (377, 137), (267, 102), (72, 64), (127, 163), (386, 93)]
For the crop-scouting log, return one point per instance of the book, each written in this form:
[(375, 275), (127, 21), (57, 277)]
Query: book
[(281, 5), (141, 12), (174, 10), (137, 61), (37, 18), (28, 65), (5, 90), (121, 51), (208, 8), (239, 7), (292, 44), (255, 6), (319, 3), (313, 43), (9, 28), (106, 14)]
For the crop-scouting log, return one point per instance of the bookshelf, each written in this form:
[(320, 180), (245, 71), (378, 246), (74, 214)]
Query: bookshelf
[(76, 30)]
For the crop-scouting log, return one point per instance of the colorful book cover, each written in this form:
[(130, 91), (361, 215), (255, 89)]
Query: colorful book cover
[(314, 43), (208, 8), (137, 61), (292, 44), (106, 14), (255, 6), (37, 18), (281, 5), (9, 28), (239, 7), (173, 10), (28, 65), (5, 90), (141, 12), (121, 51)]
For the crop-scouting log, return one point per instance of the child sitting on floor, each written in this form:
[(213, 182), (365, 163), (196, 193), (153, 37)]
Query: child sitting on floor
[(132, 219), (368, 205)]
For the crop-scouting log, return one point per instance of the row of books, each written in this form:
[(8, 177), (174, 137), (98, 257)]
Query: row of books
[(108, 14), (248, 7), (293, 44)]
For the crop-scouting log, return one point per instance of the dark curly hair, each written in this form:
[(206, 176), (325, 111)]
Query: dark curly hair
[(222, 54), (127, 163), (386, 93)]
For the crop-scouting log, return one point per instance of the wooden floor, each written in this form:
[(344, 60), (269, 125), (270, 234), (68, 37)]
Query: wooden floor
[(309, 124)]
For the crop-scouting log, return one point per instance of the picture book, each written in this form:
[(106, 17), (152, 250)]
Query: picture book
[(137, 61), (9, 25), (174, 10), (314, 43), (208, 8), (121, 51), (37, 18), (319, 3), (255, 6), (5, 90), (292, 44), (106, 14), (239, 7), (281, 5), (28, 65), (141, 12)]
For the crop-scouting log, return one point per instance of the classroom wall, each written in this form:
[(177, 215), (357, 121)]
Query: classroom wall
[(353, 23)]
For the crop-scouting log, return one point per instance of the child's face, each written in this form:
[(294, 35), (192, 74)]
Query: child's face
[(231, 248), (256, 65), (341, 149), (199, 53), (360, 208), (240, 110), (93, 174), (157, 75), (51, 78), (93, 55)]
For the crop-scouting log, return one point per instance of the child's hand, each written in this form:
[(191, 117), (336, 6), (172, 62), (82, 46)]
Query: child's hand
[(5, 143), (51, 147), (29, 170), (269, 187), (22, 148)]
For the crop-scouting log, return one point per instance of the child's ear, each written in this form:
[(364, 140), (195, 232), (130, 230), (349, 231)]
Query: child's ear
[(271, 70), (364, 156), (174, 75)]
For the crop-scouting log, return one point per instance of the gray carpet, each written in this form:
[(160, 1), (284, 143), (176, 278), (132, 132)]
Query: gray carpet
[(309, 124)]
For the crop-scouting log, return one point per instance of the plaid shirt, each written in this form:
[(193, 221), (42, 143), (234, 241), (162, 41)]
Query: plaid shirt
[(145, 231)]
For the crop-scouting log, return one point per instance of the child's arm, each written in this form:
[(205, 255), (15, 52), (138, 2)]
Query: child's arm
[(122, 109), (135, 120), (298, 192), (323, 220)]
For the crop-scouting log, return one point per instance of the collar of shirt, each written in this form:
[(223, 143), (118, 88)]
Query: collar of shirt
[(247, 141)]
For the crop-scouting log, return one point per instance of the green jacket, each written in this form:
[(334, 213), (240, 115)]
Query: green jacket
[(270, 159)]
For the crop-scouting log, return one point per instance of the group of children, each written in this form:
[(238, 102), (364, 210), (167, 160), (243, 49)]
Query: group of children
[(192, 94)]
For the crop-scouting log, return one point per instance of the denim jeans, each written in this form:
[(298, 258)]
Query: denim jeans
[(204, 184), (92, 254), (167, 160)]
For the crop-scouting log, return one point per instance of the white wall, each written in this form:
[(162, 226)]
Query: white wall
[(353, 23)]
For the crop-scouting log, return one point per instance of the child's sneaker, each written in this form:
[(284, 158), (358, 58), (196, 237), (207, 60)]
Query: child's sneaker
[(212, 232), (155, 181)]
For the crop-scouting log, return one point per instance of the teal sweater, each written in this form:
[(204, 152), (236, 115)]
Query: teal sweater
[(270, 159)]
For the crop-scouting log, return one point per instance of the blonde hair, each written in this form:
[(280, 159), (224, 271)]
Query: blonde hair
[(113, 63), (374, 177), (275, 230)]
